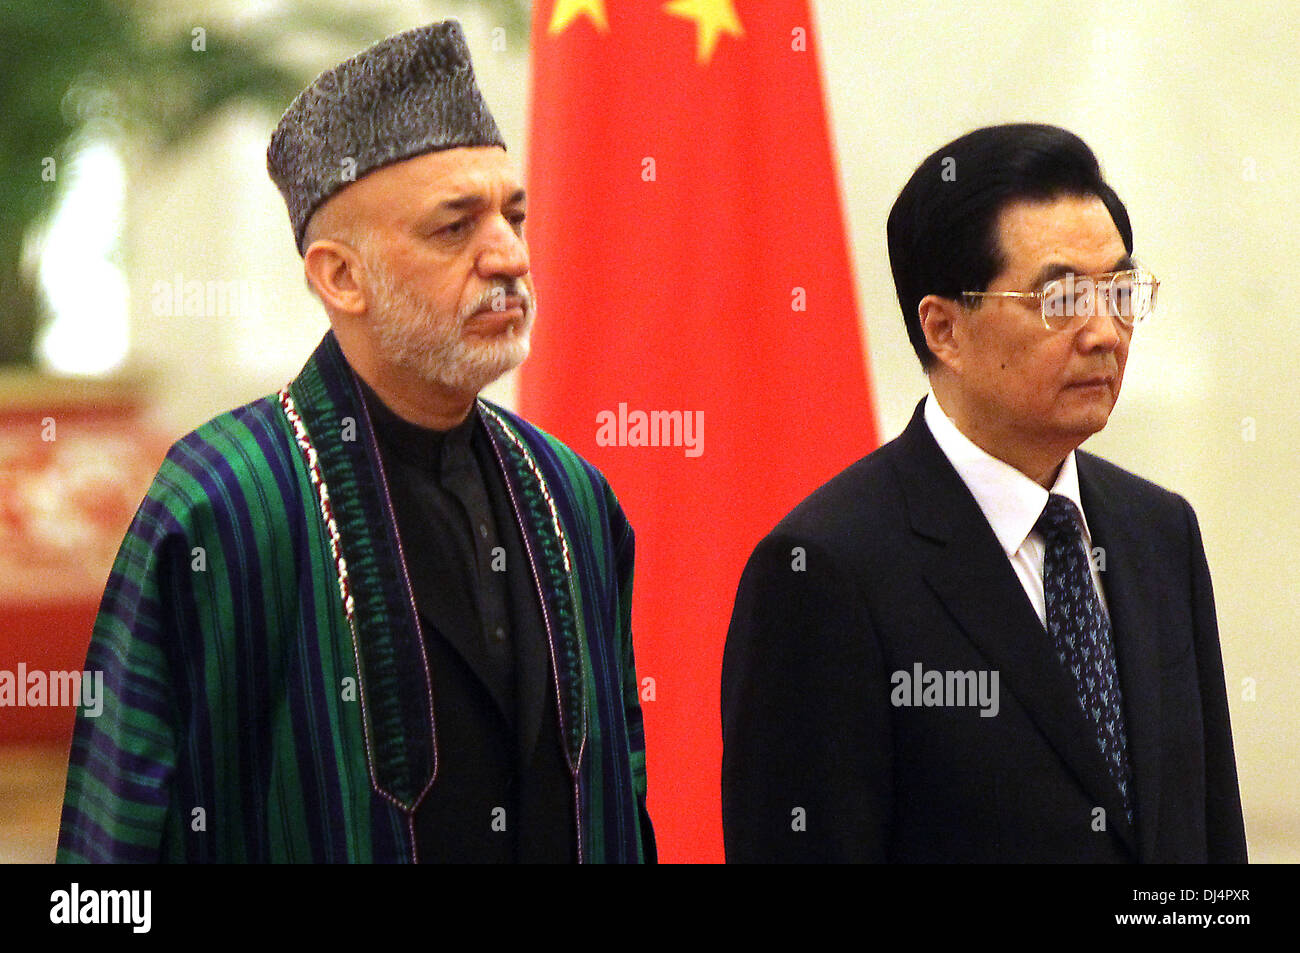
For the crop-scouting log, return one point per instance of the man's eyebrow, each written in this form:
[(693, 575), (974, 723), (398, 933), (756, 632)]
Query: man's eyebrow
[(461, 203), (469, 202), (1056, 269)]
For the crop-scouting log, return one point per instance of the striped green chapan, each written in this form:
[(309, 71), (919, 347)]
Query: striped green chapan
[(267, 696)]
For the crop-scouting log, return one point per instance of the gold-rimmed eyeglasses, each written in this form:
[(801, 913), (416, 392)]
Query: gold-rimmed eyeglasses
[(1070, 300)]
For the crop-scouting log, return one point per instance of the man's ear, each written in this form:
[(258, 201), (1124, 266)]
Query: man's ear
[(939, 318), (334, 270)]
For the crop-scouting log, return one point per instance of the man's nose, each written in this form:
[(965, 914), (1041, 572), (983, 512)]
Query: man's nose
[(1102, 330), (504, 251)]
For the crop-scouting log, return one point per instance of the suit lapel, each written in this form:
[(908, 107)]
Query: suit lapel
[(968, 570), (1133, 605)]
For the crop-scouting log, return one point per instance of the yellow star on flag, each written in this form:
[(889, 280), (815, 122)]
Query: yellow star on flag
[(566, 11), (712, 17)]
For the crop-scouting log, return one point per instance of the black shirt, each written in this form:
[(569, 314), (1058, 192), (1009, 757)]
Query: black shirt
[(502, 790)]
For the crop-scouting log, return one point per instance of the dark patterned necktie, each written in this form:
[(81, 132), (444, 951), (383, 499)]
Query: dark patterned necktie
[(1080, 631)]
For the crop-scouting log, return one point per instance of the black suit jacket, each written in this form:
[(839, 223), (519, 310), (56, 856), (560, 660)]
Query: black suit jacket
[(892, 563)]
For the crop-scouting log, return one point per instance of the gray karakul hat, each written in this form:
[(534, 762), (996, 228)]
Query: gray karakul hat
[(408, 94)]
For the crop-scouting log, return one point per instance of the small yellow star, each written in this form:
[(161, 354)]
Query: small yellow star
[(566, 11), (712, 17)]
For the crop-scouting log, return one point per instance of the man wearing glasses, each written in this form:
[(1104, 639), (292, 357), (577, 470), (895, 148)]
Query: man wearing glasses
[(978, 643)]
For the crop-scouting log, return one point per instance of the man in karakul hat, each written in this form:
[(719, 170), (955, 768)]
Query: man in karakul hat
[(373, 617)]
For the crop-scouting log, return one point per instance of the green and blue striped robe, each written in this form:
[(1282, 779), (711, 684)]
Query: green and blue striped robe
[(267, 693)]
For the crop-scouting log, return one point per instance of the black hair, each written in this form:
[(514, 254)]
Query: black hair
[(942, 230)]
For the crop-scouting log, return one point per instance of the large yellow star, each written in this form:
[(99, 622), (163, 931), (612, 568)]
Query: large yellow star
[(712, 17), (566, 11)]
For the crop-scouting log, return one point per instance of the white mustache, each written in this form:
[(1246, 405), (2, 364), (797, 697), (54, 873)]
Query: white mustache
[(491, 295)]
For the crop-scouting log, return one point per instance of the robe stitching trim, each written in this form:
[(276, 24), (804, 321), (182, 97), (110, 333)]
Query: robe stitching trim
[(303, 440), (560, 582), (546, 493)]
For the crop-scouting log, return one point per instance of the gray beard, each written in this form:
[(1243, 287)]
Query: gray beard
[(433, 347)]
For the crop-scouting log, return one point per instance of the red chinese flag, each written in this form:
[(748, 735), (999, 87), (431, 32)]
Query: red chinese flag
[(689, 254)]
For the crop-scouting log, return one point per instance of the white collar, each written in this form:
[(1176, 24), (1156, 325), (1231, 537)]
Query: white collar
[(1010, 501)]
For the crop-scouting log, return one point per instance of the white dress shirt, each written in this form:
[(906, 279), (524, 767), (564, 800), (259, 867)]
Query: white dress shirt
[(1010, 501)]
